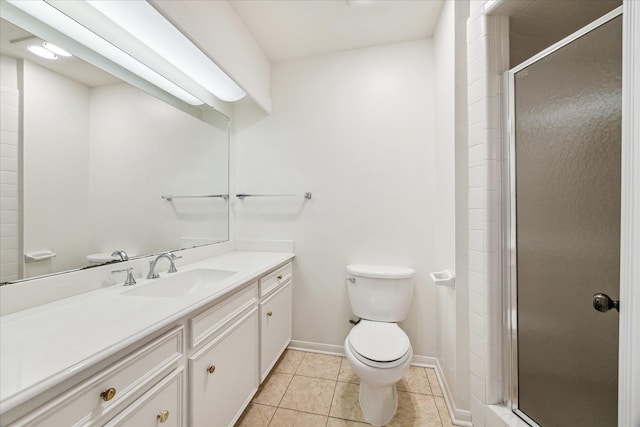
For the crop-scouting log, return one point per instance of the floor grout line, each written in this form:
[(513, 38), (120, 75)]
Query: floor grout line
[(432, 397)]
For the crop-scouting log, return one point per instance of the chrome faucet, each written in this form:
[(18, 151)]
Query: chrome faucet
[(121, 254), (153, 274), (130, 279)]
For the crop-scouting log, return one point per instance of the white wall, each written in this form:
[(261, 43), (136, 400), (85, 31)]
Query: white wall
[(356, 129), (9, 184), (450, 136), (56, 149), (141, 149)]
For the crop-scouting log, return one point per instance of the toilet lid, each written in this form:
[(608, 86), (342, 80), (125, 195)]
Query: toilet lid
[(379, 341)]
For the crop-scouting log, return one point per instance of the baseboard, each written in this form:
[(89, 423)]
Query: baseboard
[(459, 417), (313, 347)]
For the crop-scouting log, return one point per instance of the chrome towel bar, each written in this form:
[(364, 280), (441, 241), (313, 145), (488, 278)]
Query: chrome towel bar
[(170, 197), (243, 195)]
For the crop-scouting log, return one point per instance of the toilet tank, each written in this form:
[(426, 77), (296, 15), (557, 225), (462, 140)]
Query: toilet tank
[(381, 293)]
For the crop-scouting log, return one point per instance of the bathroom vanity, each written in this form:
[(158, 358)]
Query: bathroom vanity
[(189, 350)]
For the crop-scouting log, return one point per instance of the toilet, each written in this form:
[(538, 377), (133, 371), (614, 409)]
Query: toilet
[(377, 349)]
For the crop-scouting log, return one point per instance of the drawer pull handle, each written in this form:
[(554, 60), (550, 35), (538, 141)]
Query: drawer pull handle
[(280, 277), (211, 369), (269, 313), (108, 394), (163, 416)]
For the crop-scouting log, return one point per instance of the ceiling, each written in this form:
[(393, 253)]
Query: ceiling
[(293, 29)]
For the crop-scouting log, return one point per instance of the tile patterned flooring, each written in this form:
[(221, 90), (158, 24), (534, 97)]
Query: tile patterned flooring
[(310, 389)]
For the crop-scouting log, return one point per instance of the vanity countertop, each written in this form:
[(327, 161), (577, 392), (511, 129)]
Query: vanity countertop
[(42, 346)]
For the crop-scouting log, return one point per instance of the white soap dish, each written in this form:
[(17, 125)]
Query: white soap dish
[(443, 278), (38, 255)]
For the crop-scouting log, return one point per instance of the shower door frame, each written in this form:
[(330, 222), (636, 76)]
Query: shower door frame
[(509, 254)]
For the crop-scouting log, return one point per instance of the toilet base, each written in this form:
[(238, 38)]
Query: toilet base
[(378, 403)]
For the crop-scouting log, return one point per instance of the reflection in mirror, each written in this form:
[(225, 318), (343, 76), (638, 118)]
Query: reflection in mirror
[(86, 159)]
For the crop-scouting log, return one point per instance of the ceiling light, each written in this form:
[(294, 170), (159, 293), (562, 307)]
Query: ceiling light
[(55, 49), (42, 52), (71, 28)]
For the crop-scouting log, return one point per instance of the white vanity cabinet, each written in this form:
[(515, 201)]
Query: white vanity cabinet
[(223, 375), (275, 317), (105, 393), (162, 405), (202, 371)]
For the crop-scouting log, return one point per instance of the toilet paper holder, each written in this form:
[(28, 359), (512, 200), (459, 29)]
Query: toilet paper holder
[(443, 278)]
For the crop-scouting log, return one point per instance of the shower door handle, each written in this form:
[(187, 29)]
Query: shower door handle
[(603, 303)]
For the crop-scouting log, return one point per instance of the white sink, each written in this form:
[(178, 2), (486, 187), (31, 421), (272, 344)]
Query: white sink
[(180, 284)]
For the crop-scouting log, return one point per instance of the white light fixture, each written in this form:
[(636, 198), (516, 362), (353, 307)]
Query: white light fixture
[(42, 52), (148, 20), (55, 49), (146, 24)]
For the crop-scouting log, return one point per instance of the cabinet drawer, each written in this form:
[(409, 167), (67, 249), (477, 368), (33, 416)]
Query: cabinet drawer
[(275, 279), (275, 328), (208, 323), (223, 376), (163, 405), (91, 399)]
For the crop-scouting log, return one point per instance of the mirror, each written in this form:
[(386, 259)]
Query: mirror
[(87, 159)]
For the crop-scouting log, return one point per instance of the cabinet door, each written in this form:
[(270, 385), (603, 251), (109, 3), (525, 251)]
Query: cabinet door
[(161, 406), (275, 328), (224, 375)]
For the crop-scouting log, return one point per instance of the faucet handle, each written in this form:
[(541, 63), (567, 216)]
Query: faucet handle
[(172, 267), (130, 280)]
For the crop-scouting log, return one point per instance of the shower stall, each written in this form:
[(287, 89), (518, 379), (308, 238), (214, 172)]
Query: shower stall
[(563, 253)]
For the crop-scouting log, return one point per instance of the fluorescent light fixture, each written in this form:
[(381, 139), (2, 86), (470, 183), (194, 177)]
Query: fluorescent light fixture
[(42, 52), (147, 18), (55, 49), (146, 24)]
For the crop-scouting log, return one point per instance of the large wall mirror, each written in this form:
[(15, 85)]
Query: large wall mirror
[(88, 163)]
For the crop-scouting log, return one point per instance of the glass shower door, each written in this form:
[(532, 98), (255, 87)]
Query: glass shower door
[(567, 123)]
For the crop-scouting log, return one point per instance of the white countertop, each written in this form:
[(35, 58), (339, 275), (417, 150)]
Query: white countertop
[(45, 345)]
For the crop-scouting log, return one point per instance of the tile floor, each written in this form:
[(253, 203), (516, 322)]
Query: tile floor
[(309, 390)]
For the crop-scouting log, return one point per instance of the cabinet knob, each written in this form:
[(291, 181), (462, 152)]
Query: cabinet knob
[(280, 277), (211, 369), (108, 394), (163, 416), (269, 313)]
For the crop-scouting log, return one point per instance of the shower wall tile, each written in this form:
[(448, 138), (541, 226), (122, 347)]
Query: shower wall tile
[(476, 198), (477, 327), (476, 303), (476, 156), (478, 411), (476, 262), (476, 113), (476, 219), (476, 285), (476, 92), (9, 190), (477, 365), (476, 240), (484, 134), (478, 387), (9, 177), (476, 134), (476, 177), (478, 347)]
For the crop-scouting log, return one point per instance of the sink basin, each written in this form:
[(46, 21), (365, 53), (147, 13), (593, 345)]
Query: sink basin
[(180, 284)]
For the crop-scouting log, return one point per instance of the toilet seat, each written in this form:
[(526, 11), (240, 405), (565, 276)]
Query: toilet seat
[(379, 344)]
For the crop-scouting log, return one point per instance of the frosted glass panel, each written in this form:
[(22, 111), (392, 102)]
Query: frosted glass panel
[(568, 112)]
